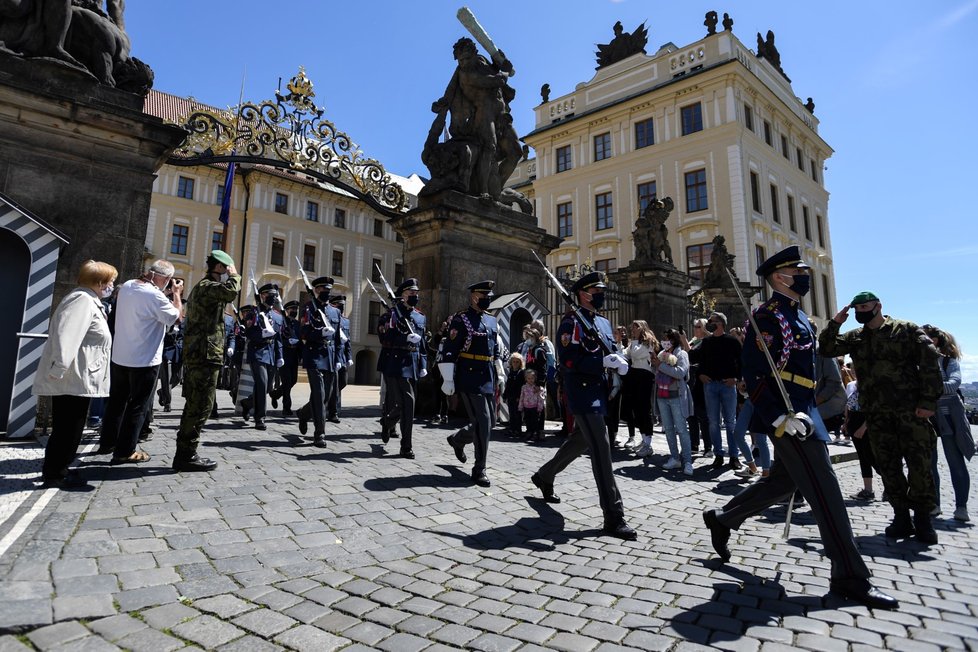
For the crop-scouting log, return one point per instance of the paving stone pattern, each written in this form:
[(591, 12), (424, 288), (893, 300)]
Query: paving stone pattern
[(292, 547)]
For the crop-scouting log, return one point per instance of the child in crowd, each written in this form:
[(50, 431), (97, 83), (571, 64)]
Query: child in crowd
[(533, 400), (514, 386)]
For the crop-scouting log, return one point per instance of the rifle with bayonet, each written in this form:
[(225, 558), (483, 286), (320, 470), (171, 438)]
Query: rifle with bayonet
[(312, 294), (395, 305), (267, 330)]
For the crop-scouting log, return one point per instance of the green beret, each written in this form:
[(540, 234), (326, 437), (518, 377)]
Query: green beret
[(863, 297), (222, 257)]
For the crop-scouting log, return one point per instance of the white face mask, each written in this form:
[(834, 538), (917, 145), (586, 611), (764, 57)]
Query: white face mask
[(107, 291), (224, 277)]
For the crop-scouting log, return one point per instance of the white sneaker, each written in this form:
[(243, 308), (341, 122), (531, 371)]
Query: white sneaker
[(632, 442), (746, 472), (673, 463), (644, 450), (688, 469), (961, 514)]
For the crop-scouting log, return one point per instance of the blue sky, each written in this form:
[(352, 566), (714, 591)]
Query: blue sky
[(893, 85)]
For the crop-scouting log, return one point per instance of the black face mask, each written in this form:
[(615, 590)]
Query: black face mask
[(711, 327), (270, 300), (866, 316), (483, 303), (597, 300), (413, 300), (292, 313), (323, 296), (800, 284), (340, 306)]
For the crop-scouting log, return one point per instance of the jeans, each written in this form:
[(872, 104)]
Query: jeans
[(958, 467), (740, 433), (721, 401), (673, 423)]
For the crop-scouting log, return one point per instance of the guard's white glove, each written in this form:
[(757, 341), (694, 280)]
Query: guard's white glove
[(797, 425), (413, 338), (230, 352), (327, 331), (280, 363), (447, 370), (343, 338), (293, 341), (615, 361), (422, 373), (267, 329), (339, 365), (349, 363)]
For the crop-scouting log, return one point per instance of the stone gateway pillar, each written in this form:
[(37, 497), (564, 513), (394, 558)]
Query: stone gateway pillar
[(82, 156), (453, 240)]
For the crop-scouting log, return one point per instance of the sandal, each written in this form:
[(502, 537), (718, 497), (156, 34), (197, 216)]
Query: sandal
[(135, 458)]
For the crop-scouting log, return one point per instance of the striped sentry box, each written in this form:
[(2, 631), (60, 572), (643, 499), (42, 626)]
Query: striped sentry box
[(44, 243)]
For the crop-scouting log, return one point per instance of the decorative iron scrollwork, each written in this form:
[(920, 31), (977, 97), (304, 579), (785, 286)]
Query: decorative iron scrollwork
[(288, 131)]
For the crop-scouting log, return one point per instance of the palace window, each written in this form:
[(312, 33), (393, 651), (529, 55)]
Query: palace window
[(748, 117), (775, 205), (375, 271), (602, 147), (767, 133), (178, 239), (814, 170), (373, 316), (185, 187), (281, 203), (821, 232), (606, 265), (565, 220), (698, 260), (309, 257), (312, 211), (646, 193), (784, 146), (792, 223), (339, 218), (755, 194), (219, 197), (806, 223), (378, 228), (692, 117), (800, 159), (564, 161), (217, 240), (604, 212), (278, 252), (337, 262), (645, 133), (696, 191)]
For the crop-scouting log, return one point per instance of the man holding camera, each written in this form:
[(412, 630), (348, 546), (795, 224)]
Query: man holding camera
[(801, 453)]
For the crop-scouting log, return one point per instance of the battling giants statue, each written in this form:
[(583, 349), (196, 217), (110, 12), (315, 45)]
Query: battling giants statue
[(78, 33), (482, 149), (651, 235)]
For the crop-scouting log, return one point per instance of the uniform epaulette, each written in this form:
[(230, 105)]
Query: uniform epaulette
[(418, 311)]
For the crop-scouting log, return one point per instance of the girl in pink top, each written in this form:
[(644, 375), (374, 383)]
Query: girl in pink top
[(533, 400)]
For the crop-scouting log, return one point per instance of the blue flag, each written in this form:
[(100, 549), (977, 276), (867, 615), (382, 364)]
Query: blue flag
[(226, 203)]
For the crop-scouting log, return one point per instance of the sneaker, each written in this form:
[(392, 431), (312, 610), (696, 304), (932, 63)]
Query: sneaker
[(746, 472), (632, 442), (961, 514), (688, 469), (936, 511), (644, 450), (707, 454), (865, 494), (673, 463)]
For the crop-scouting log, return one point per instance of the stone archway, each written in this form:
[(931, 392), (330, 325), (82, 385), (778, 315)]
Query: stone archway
[(365, 368)]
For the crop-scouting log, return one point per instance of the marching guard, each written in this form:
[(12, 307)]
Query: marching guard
[(468, 365), (264, 351), (320, 334), (292, 352), (344, 360)]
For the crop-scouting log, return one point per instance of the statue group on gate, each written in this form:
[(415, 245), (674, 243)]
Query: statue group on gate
[(651, 235), (79, 33), (720, 261), (624, 45), (482, 148)]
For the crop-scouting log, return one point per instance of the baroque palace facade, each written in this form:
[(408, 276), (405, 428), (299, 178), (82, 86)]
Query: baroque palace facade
[(276, 216), (711, 125)]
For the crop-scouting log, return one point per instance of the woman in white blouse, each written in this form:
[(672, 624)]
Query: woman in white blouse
[(74, 365), (639, 383)]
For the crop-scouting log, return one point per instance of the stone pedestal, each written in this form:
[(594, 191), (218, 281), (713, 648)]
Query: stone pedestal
[(453, 240), (83, 158), (725, 300), (660, 294)]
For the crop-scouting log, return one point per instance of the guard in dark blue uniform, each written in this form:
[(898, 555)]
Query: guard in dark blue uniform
[(402, 361), (801, 457), (292, 348), (264, 336), (344, 360), (320, 334), (585, 370), (468, 365)]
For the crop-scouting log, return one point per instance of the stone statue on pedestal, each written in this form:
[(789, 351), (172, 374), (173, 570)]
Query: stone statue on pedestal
[(720, 260), (767, 50), (482, 149), (651, 235), (78, 33), (622, 46), (711, 21)]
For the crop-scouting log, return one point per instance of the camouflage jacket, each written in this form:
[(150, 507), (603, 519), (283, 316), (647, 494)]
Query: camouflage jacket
[(897, 364), (203, 338)]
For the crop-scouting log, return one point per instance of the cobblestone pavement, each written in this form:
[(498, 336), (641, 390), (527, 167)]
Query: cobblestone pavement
[(287, 546)]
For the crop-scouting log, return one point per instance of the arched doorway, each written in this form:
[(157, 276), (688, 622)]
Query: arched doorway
[(365, 368), (520, 318), (14, 277)]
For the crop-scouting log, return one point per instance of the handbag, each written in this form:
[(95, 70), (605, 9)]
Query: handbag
[(962, 429)]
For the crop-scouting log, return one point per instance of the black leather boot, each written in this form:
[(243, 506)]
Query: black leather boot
[(924, 526), (901, 527)]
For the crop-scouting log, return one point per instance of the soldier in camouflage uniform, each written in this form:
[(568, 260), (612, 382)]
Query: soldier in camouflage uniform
[(203, 346), (899, 384)]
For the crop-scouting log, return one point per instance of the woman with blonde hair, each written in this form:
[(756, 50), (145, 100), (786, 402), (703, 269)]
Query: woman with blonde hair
[(74, 365), (639, 382)]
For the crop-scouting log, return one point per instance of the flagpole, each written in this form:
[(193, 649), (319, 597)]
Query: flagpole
[(227, 189)]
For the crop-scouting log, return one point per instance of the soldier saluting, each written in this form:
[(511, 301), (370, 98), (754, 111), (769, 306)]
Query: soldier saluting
[(801, 453), (468, 365), (582, 361)]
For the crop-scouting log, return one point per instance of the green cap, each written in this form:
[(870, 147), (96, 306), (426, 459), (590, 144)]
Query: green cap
[(863, 297), (222, 257)]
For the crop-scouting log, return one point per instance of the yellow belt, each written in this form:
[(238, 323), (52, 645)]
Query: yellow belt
[(798, 380), (473, 356)]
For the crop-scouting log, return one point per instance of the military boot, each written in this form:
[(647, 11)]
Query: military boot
[(925, 527), (902, 526)]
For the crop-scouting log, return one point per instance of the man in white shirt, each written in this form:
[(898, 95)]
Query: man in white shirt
[(142, 315)]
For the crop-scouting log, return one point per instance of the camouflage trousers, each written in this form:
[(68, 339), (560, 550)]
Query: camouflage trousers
[(199, 390), (898, 437)]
